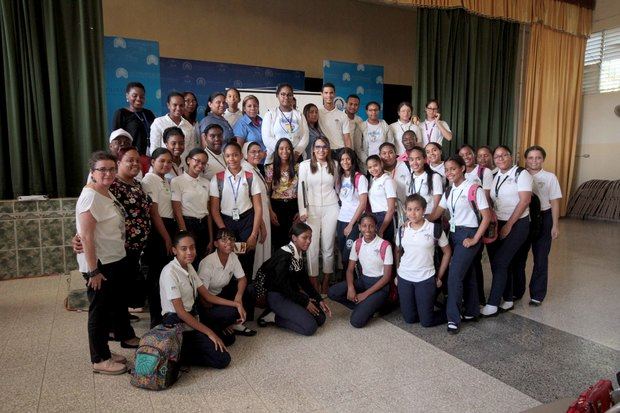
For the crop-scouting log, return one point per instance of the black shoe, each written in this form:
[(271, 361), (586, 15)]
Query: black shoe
[(133, 318), (453, 328), (127, 345), (535, 303), (469, 319), (246, 331)]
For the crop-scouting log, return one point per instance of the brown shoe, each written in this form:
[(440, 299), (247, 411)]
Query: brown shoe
[(109, 367), (117, 358)]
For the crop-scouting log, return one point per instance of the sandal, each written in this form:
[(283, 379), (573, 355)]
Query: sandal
[(246, 331)]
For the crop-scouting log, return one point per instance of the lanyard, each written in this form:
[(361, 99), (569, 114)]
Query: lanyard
[(214, 156), (235, 190), (260, 175), (403, 129), (453, 202), (429, 134), (415, 190), (498, 185), (289, 121)]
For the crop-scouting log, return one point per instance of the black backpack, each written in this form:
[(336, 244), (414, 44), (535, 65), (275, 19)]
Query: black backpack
[(535, 212)]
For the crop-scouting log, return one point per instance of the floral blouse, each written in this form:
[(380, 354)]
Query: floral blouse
[(137, 205), (286, 188)]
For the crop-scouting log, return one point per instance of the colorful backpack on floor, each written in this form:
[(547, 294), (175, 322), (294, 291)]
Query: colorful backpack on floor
[(157, 358)]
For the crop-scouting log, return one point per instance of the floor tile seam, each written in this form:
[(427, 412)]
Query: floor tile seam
[(590, 339), (459, 360)]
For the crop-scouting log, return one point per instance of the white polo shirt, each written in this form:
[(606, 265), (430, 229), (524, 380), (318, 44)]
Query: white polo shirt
[(459, 207), (419, 185), (277, 125), (380, 190), (215, 164), (546, 187), (159, 191), (370, 257), (397, 129), (110, 228), (431, 132), (350, 196), (402, 179), (176, 282), (162, 123), (235, 193), (374, 136), (216, 276), (192, 193), (416, 263), (440, 169), (505, 192), (232, 117), (487, 177), (334, 125)]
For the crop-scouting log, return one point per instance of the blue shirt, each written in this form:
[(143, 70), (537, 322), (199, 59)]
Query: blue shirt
[(246, 129), (218, 120)]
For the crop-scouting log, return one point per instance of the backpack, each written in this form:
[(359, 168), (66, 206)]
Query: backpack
[(157, 358), (260, 288), (393, 291), (491, 233), (249, 176), (535, 212), (384, 246), (481, 169)]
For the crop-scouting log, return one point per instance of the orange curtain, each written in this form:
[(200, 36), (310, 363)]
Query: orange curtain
[(551, 112), (555, 14)]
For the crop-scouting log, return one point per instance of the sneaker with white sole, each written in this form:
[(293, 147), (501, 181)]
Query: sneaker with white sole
[(489, 311), (109, 367), (535, 303), (507, 306)]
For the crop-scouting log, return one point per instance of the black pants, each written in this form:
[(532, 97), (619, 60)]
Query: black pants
[(285, 211), (135, 283), (242, 228), (200, 229), (248, 299), (156, 258), (108, 310)]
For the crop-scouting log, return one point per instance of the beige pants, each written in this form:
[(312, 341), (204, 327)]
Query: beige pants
[(323, 221)]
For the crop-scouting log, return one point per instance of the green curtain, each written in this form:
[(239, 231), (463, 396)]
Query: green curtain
[(52, 114), (468, 63)]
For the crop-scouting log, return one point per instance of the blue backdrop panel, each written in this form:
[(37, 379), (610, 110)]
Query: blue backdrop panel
[(366, 81), (204, 78), (130, 60)]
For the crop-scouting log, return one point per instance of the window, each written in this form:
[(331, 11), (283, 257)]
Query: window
[(602, 62)]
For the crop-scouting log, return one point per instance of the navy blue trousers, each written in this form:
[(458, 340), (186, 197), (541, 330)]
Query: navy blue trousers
[(242, 228), (362, 312), (292, 316), (417, 302), (388, 235), (503, 265), (346, 243), (460, 273)]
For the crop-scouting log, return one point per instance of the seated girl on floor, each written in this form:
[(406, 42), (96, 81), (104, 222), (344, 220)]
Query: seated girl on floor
[(179, 286), (292, 300), (367, 293)]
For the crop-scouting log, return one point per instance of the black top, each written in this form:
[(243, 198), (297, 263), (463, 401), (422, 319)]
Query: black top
[(138, 124), (289, 279)]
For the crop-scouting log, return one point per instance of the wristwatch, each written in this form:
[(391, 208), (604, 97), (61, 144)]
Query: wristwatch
[(93, 273)]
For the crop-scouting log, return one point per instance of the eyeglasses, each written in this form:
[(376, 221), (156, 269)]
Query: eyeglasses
[(321, 147), (199, 162), (502, 156), (432, 108), (106, 170)]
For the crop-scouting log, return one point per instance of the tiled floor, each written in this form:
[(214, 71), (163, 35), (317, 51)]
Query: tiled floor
[(505, 364)]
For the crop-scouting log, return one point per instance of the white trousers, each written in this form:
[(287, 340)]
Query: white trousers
[(323, 222)]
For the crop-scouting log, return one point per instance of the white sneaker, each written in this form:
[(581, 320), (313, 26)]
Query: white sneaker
[(489, 311), (109, 367), (507, 306)]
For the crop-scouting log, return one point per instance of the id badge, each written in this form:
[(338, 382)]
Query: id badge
[(235, 214), (452, 225)]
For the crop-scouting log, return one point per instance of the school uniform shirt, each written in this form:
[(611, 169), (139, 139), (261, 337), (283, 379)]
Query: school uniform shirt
[(402, 179), (215, 164), (218, 120), (458, 206), (245, 128), (397, 129), (431, 132), (109, 231), (474, 177), (177, 170), (159, 191), (216, 276), (235, 192), (380, 190), (162, 123), (546, 187), (291, 125), (505, 192), (419, 185), (233, 117), (440, 169), (416, 263), (192, 193), (355, 131), (177, 282), (374, 136), (334, 124), (370, 257), (350, 196), (319, 186)]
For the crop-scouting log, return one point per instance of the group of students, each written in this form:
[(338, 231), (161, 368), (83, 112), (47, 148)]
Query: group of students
[(254, 207)]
